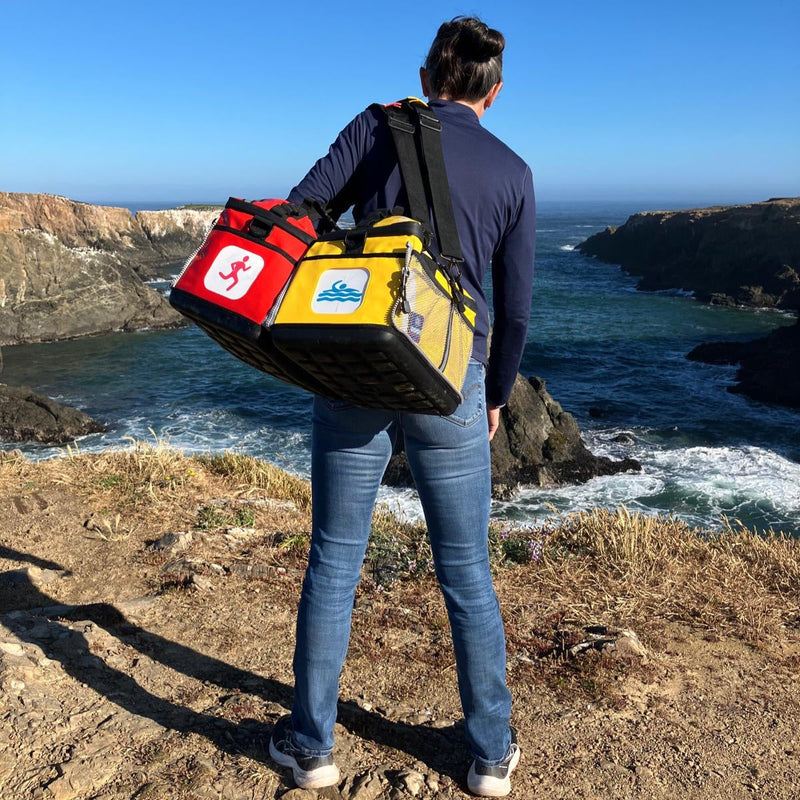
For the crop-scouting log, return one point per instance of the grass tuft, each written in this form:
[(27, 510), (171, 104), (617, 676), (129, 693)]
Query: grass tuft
[(251, 473)]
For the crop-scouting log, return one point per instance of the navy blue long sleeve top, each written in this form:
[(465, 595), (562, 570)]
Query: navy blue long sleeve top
[(494, 206)]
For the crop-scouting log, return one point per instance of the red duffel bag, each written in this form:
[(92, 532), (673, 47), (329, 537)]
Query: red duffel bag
[(229, 286)]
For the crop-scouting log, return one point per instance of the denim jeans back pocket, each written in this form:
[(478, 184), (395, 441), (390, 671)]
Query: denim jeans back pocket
[(473, 405)]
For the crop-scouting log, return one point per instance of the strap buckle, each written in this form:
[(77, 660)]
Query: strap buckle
[(452, 269), (399, 121), (354, 241), (428, 120)]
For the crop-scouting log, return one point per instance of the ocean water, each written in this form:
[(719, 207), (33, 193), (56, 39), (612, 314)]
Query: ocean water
[(612, 356)]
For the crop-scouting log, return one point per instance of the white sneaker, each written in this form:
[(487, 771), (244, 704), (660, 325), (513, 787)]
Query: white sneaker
[(309, 772), (494, 781)]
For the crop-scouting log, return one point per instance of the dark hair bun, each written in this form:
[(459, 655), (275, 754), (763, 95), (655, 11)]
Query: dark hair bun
[(465, 60), (476, 41)]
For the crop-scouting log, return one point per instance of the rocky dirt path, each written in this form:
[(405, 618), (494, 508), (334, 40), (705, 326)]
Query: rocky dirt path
[(134, 665)]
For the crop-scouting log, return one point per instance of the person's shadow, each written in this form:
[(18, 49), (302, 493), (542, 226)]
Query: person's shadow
[(441, 749)]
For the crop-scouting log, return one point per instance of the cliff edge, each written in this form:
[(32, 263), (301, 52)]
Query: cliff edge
[(71, 269)]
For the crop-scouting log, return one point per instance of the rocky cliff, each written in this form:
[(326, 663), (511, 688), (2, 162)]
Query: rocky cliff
[(769, 367), (537, 444), (174, 233), (744, 255), (70, 269)]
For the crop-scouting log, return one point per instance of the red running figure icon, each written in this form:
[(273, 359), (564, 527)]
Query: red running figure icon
[(236, 268)]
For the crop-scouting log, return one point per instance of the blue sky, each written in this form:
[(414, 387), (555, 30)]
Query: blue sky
[(110, 101)]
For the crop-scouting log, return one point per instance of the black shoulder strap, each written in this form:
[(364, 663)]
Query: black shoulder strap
[(417, 136), (441, 202), (404, 135)]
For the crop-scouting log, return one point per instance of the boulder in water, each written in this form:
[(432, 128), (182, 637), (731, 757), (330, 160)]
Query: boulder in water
[(769, 367), (537, 444), (26, 416)]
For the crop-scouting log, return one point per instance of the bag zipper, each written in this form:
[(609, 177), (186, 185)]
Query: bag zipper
[(192, 257)]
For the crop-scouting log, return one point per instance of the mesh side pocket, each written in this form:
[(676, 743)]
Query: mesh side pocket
[(455, 369), (432, 321)]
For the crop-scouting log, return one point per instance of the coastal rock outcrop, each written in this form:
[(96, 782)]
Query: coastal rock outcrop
[(26, 416), (174, 233), (537, 444), (70, 269), (769, 367), (742, 255)]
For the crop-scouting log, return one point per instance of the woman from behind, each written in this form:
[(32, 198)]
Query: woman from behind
[(492, 195)]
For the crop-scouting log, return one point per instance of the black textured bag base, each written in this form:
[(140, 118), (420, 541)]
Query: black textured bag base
[(371, 366)]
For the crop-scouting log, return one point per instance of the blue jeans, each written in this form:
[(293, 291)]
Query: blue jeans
[(449, 459)]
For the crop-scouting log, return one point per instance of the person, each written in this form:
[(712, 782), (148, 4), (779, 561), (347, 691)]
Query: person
[(493, 202)]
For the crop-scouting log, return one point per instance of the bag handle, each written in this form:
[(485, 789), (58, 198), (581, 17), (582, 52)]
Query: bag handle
[(265, 219)]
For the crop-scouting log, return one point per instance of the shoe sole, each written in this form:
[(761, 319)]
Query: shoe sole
[(487, 786), (313, 779)]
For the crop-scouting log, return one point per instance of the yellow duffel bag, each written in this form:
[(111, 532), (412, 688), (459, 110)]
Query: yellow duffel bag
[(372, 317)]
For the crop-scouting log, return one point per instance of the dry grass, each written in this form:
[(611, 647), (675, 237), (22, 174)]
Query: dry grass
[(623, 568), (145, 475), (612, 567)]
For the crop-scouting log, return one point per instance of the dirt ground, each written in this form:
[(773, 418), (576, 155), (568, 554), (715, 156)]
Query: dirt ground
[(138, 666)]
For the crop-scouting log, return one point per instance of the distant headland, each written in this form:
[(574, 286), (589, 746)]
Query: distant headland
[(747, 255)]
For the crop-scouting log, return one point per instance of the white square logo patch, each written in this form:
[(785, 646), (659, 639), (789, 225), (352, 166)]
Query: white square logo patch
[(339, 291), (233, 272)]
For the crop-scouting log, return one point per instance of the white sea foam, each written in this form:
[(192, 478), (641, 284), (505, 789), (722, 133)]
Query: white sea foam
[(403, 502), (732, 477), (609, 491), (567, 247)]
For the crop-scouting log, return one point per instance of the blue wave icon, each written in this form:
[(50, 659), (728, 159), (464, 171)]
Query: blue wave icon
[(340, 291)]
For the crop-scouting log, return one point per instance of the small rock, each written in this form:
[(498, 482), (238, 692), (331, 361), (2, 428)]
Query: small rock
[(183, 566), (16, 686), (203, 583), (366, 787), (44, 577), (240, 533), (412, 780), (204, 765), (628, 645), (12, 648), (299, 794), (139, 604), (172, 542)]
